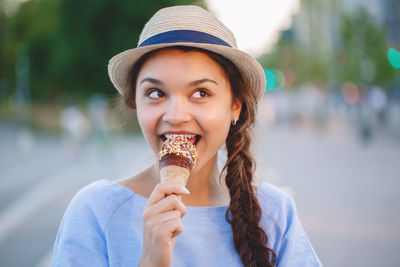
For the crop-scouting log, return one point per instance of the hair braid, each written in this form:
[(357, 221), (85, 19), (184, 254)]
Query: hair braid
[(245, 213)]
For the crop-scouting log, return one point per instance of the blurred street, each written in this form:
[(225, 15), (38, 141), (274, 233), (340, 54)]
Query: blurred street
[(346, 190)]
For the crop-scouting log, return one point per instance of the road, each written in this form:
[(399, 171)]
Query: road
[(346, 192)]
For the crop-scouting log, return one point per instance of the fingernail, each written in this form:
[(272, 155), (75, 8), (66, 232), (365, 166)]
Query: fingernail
[(186, 190)]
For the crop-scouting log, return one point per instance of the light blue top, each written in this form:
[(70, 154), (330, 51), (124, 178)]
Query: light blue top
[(102, 226)]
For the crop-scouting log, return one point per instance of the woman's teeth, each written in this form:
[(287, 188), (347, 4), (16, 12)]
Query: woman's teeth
[(191, 137), (187, 136)]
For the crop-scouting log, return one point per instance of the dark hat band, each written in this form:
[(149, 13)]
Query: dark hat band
[(185, 36)]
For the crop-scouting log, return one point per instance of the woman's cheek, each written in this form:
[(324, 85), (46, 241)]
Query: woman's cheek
[(214, 119), (148, 124)]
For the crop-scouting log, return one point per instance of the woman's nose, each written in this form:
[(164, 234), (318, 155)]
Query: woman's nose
[(176, 111)]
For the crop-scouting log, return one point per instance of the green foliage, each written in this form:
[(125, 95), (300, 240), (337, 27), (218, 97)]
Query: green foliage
[(365, 48), (69, 42), (2, 26)]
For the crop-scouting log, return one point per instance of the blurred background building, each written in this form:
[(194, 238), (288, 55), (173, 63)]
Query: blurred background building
[(327, 132)]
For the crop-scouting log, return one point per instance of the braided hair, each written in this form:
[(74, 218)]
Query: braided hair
[(244, 212)]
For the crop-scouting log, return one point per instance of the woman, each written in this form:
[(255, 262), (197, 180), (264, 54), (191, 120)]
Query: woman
[(186, 77)]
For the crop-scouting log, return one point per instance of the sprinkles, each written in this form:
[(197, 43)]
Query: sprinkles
[(178, 145)]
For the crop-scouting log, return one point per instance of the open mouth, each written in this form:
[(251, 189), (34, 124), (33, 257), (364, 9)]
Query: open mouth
[(194, 139)]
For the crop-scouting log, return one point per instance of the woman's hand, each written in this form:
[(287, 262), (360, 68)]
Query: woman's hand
[(161, 224)]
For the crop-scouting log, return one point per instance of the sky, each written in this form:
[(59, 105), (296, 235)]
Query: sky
[(255, 23)]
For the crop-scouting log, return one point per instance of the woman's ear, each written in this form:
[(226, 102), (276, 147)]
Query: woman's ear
[(236, 107)]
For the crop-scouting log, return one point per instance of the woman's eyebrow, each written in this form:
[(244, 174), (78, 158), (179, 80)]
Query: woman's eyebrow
[(197, 82), (151, 80)]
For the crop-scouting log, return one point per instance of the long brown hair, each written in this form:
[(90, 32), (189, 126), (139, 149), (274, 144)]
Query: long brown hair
[(244, 212)]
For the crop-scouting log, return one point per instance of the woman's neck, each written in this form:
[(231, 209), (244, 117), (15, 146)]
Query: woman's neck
[(206, 189)]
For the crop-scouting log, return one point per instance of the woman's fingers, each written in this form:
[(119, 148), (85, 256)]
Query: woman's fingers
[(165, 226), (169, 203), (175, 226), (163, 190), (169, 226), (163, 217)]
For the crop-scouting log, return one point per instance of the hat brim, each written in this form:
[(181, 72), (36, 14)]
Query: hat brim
[(120, 66)]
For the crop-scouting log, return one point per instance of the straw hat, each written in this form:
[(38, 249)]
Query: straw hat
[(187, 26)]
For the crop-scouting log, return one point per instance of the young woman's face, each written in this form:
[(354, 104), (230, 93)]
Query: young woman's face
[(185, 92)]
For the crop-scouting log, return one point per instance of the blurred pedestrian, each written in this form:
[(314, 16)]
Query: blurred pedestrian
[(76, 129), (187, 78)]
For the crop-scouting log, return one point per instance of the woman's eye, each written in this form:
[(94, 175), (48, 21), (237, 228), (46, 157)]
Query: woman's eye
[(201, 93), (155, 93)]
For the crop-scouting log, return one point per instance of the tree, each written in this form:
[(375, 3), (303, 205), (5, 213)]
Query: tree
[(365, 47)]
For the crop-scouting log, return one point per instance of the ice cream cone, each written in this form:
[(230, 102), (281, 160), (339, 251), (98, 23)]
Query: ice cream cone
[(177, 158)]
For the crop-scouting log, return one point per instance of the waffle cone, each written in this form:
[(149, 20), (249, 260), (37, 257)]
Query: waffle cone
[(174, 174)]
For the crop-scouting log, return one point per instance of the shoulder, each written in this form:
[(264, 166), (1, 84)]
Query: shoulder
[(81, 238), (99, 199), (278, 210), (286, 234), (274, 200)]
